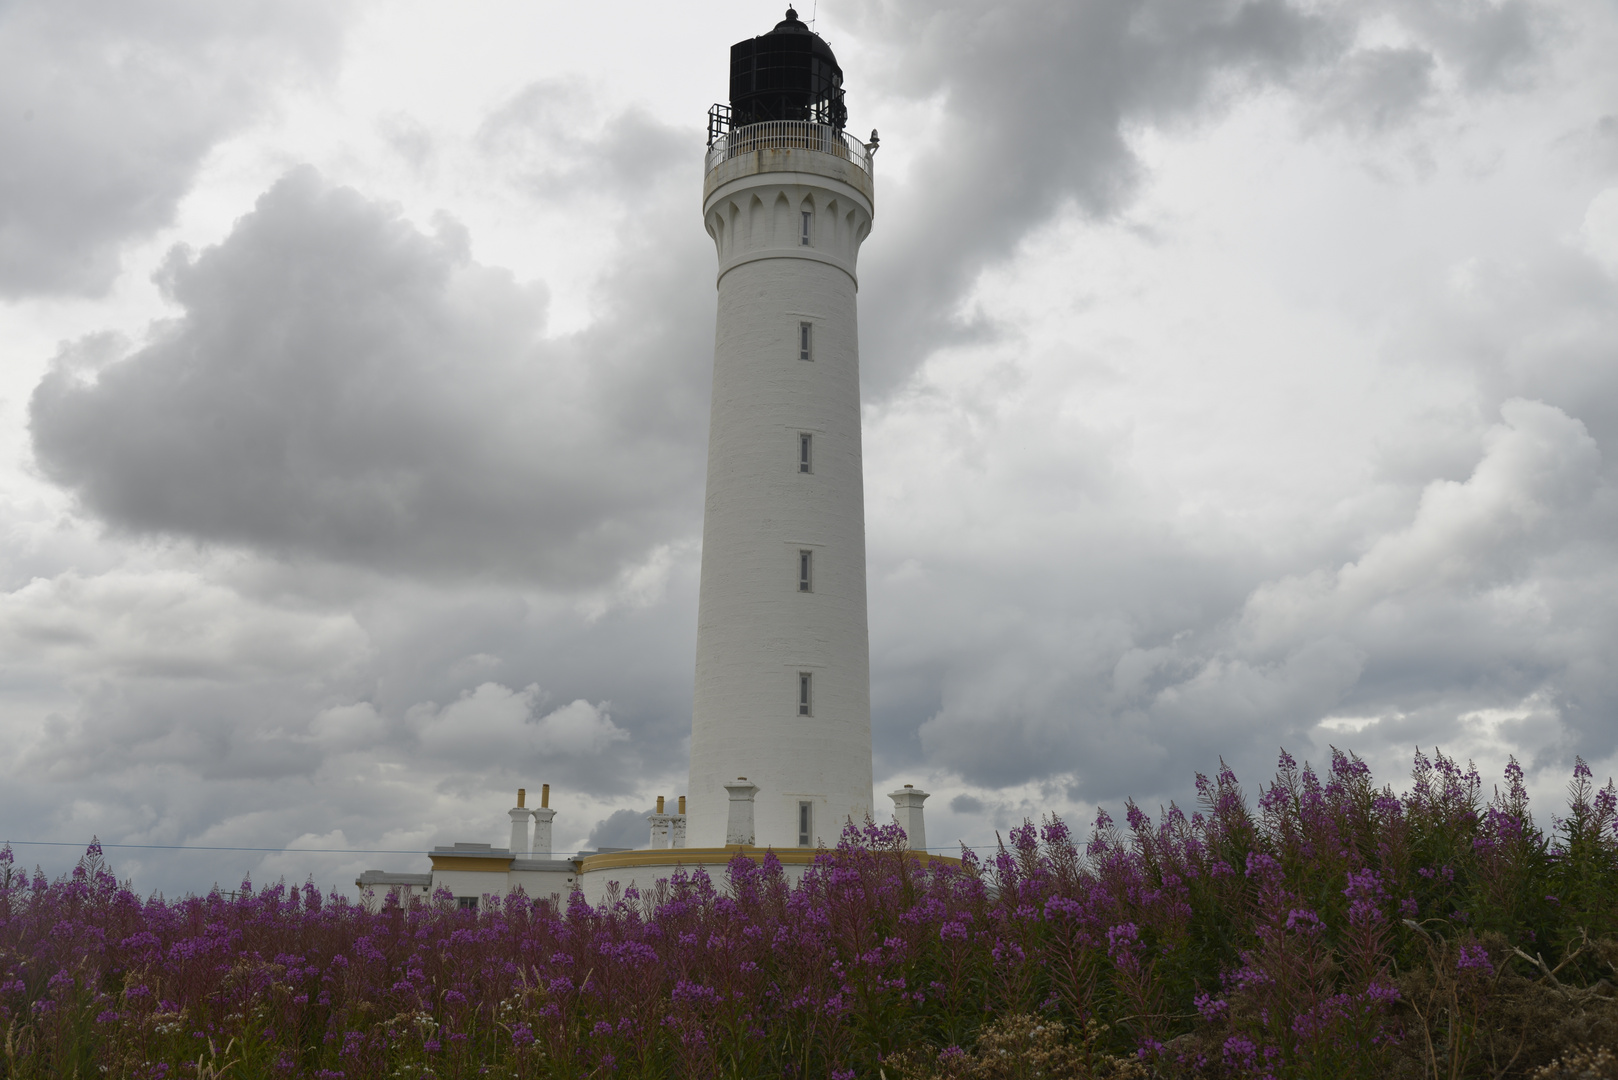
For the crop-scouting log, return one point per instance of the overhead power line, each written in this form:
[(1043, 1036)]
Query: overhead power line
[(313, 851), (222, 847)]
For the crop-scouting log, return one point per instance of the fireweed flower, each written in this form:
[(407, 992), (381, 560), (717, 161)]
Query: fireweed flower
[(871, 940), (1006, 952), (1381, 993), (1240, 1052), (1303, 921), (1122, 941)]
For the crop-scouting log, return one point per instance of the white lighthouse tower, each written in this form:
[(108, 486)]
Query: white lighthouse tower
[(783, 702), (781, 728)]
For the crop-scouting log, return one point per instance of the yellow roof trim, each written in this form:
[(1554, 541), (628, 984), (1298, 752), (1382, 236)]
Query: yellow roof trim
[(462, 862), (616, 860)]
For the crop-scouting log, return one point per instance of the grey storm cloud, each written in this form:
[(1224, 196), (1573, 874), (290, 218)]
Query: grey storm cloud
[(198, 706), (1488, 44), (1498, 589), (966, 804), (1379, 88), (108, 107), (343, 386), (621, 829), (401, 482), (533, 135), (1038, 98)]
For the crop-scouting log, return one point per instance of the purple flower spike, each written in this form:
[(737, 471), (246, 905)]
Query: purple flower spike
[(1474, 958)]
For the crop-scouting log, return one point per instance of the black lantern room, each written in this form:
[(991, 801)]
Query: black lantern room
[(787, 74)]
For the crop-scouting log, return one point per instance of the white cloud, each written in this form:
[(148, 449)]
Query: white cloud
[(494, 722), (1239, 374), (111, 109), (1479, 537), (169, 624), (1600, 229), (579, 728)]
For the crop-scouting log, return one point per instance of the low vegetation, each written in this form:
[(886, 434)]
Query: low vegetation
[(1330, 929)]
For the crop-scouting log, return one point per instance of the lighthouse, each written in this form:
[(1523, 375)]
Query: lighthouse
[(781, 723)]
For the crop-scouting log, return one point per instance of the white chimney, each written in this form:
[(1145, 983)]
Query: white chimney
[(678, 825), (542, 823), (660, 825), (739, 827), (519, 825), (907, 812)]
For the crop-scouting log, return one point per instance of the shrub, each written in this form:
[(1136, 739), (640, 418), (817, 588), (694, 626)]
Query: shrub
[(1330, 929)]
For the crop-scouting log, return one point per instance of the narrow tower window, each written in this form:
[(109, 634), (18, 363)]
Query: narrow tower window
[(803, 693), (806, 566), (808, 220), (805, 462), (804, 341), (806, 821)]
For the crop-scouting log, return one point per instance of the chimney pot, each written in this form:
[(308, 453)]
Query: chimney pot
[(682, 804), (660, 804), (544, 795), (522, 797)]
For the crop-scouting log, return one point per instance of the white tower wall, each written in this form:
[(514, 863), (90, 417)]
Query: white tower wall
[(756, 631)]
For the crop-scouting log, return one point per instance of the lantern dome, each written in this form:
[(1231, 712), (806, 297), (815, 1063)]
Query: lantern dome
[(789, 73)]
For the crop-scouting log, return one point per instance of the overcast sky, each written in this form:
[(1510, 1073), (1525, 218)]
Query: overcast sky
[(1238, 374)]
